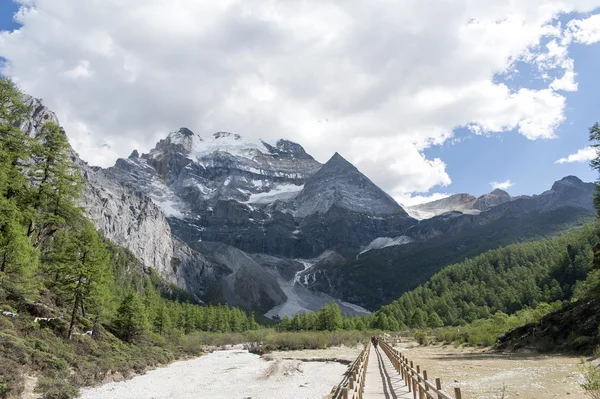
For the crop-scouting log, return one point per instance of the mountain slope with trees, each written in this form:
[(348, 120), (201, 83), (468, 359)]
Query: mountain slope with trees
[(501, 280), (75, 306)]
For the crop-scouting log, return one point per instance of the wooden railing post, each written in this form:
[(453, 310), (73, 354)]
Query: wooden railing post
[(457, 393), (438, 386)]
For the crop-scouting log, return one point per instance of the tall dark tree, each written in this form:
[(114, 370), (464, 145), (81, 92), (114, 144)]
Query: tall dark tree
[(79, 262), (57, 183), (131, 320), (18, 259), (595, 164)]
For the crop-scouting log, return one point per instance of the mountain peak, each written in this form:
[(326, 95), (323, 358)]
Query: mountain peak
[(184, 138), (567, 181), (341, 184), (339, 163), (491, 200), (499, 192)]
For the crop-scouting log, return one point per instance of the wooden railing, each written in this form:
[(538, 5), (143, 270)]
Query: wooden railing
[(417, 381), (353, 384)]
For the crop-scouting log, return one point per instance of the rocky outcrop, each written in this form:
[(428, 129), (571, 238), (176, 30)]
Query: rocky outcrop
[(495, 198), (128, 218), (38, 115), (123, 214), (247, 283)]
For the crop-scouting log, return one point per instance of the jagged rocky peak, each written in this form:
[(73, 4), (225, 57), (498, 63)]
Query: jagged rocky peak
[(183, 140), (134, 155), (492, 199), (38, 115), (288, 149), (223, 135), (339, 183)]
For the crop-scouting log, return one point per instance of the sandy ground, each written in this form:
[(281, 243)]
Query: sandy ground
[(340, 353), (482, 374), (234, 374)]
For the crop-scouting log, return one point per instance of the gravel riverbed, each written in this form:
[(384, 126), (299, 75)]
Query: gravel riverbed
[(227, 374)]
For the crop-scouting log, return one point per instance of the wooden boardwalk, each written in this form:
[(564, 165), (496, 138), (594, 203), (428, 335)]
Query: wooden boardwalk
[(386, 373), (382, 380)]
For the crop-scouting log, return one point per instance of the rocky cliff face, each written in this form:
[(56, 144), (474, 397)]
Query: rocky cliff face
[(260, 197), (130, 219)]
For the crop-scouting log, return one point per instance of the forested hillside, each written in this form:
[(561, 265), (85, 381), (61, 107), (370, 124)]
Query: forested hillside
[(506, 279), (70, 299)]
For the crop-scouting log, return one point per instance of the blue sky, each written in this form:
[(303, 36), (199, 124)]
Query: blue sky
[(528, 164), (7, 10), (336, 77)]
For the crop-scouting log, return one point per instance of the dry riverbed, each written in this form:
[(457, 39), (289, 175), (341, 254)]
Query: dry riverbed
[(482, 374), (233, 374)]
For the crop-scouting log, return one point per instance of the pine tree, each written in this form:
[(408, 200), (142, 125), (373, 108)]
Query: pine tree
[(18, 259), (418, 319), (79, 262), (434, 320), (162, 320), (57, 184), (330, 318), (131, 321)]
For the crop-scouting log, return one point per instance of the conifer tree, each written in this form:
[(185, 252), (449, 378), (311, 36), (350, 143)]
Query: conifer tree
[(79, 262), (434, 320), (330, 317), (57, 183), (131, 321)]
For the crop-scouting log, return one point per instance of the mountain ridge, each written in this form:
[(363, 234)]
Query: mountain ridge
[(271, 206)]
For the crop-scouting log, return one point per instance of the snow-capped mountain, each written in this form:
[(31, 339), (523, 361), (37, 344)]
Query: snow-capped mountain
[(265, 226), (186, 175), (259, 196)]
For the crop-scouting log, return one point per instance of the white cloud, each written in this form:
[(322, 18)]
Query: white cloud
[(583, 155), (377, 81), (81, 71), (585, 31), (501, 185)]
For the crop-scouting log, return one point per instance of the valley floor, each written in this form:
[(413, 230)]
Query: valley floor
[(481, 373), (230, 374)]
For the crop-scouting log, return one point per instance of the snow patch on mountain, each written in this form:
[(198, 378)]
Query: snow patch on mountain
[(168, 208), (383, 242), (233, 144), (281, 192)]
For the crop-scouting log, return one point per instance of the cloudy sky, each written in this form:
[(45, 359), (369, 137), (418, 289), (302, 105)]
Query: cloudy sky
[(425, 97)]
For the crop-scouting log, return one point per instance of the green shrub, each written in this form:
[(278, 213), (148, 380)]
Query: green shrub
[(597, 352), (421, 337), (591, 383), (57, 386), (11, 378)]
